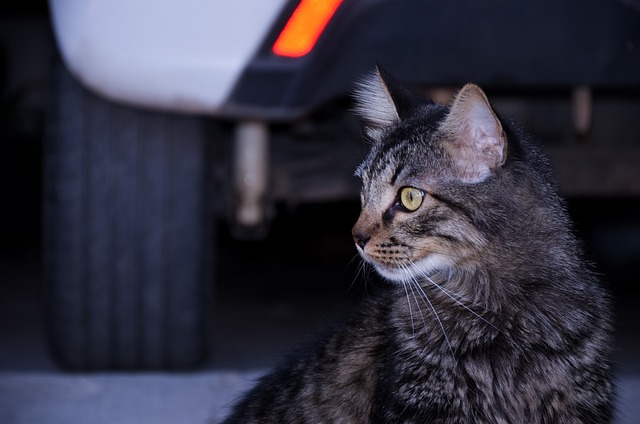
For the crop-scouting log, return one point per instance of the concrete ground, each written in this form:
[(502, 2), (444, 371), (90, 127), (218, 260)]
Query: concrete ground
[(292, 287), (157, 398)]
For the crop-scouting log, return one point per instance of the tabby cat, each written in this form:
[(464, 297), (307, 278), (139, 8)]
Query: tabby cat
[(489, 314)]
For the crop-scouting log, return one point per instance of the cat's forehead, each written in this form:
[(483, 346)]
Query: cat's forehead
[(405, 159)]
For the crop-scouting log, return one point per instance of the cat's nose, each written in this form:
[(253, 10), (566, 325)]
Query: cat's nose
[(361, 239)]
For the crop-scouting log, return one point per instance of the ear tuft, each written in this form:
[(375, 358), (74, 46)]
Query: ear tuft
[(477, 141), (375, 105)]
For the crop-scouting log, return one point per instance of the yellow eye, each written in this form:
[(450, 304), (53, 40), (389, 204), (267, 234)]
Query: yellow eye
[(411, 198)]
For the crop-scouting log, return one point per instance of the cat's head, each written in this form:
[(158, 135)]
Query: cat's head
[(426, 162)]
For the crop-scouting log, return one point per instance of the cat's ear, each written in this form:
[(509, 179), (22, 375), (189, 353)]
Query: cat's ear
[(381, 102), (476, 139)]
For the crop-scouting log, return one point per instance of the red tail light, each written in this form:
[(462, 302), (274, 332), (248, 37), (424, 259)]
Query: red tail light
[(304, 27)]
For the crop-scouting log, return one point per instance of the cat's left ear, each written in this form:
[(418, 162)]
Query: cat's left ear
[(477, 141), (381, 102)]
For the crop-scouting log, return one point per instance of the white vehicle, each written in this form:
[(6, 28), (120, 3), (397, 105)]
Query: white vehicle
[(166, 114)]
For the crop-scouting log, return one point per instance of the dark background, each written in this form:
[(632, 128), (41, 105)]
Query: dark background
[(270, 294)]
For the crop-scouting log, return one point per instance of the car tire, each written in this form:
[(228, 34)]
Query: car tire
[(127, 224)]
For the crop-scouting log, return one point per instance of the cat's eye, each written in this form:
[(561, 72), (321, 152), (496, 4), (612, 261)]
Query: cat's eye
[(411, 198)]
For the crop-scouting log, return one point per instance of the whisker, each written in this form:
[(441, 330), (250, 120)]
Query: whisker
[(452, 296), (411, 280), (360, 272), (353, 258), (363, 273), (406, 292), (426, 251), (424, 296)]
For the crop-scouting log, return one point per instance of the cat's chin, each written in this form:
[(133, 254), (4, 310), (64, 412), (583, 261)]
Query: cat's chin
[(419, 270)]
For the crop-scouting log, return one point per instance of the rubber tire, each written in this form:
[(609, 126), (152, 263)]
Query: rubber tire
[(127, 233)]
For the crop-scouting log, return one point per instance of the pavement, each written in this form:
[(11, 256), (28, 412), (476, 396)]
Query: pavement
[(54, 398), (203, 397)]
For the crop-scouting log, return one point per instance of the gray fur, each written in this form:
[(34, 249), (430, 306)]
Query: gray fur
[(489, 315), (373, 100)]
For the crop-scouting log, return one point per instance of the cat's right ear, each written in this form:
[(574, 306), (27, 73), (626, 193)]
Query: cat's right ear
[(382, 102), (478, 143)]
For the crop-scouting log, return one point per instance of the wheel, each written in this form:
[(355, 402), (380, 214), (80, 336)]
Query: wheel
[(127, 233)]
